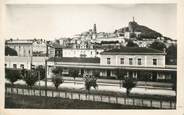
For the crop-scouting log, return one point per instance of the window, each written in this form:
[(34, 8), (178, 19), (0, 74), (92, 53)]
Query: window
[(122, 60), (108, 60), (21, 65), (139, 61), (154, 61), (130, 61), (14, 65)]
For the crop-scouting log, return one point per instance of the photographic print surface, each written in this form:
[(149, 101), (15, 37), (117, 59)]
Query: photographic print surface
[(84, 56)]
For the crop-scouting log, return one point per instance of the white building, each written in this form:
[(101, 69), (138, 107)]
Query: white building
[(17, 62), (39, 48), (133, 58), (70, 52), (127, 56), (144, 43), (119, 39)]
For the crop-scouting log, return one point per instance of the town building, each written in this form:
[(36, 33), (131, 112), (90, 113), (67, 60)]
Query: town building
[(144, 42), (30, 53), (16, 62), (22, 47), (133, 61)]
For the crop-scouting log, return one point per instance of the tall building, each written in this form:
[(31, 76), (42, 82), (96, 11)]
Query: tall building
[(94, 36), (94, 29)]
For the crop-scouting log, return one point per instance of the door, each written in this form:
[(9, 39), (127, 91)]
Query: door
[(108, 73), (154, 77)]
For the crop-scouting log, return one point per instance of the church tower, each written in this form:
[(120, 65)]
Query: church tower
[(94, 36), (94, 29)]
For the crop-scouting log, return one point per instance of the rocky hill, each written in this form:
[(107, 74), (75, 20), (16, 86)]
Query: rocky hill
[(145, 32)]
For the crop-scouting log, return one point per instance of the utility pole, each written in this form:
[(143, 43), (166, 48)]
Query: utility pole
[(39, 82), (45, 77), (46, 70)]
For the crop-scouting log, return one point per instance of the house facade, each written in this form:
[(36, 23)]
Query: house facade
[(16, 62)]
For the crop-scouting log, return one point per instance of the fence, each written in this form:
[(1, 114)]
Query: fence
[(93, 97)]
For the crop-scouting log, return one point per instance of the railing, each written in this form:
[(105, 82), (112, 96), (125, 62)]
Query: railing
[(151, 103)]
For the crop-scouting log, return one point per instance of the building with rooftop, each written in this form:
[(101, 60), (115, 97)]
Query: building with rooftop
[(134, 62), (29, 52)]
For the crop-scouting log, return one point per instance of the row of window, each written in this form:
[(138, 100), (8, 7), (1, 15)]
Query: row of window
[(139, 61), (15, 65), (81, 52)]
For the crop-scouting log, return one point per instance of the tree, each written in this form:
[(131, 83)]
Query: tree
[(57, 80), (171, 57), (90, 81), (121, 75), (41, 70), (130, 43), (158, 46), (146, 76), (129, 83), (96, 73), (31, 77), (23, 72), (12, 76), (174, 87), (57, 70), (174, 81), (74, 73), (9, 51)]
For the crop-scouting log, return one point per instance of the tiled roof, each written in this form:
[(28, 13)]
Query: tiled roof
[(133, 50), (75, 60)]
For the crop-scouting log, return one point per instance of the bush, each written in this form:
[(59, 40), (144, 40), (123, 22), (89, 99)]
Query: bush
[(90, 81), (31, 77), (41, 71), (12, 75)]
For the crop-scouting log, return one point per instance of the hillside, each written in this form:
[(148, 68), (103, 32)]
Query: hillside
[(145, 31)]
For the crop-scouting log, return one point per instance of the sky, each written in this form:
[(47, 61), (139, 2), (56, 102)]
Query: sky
[(57, 21)]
